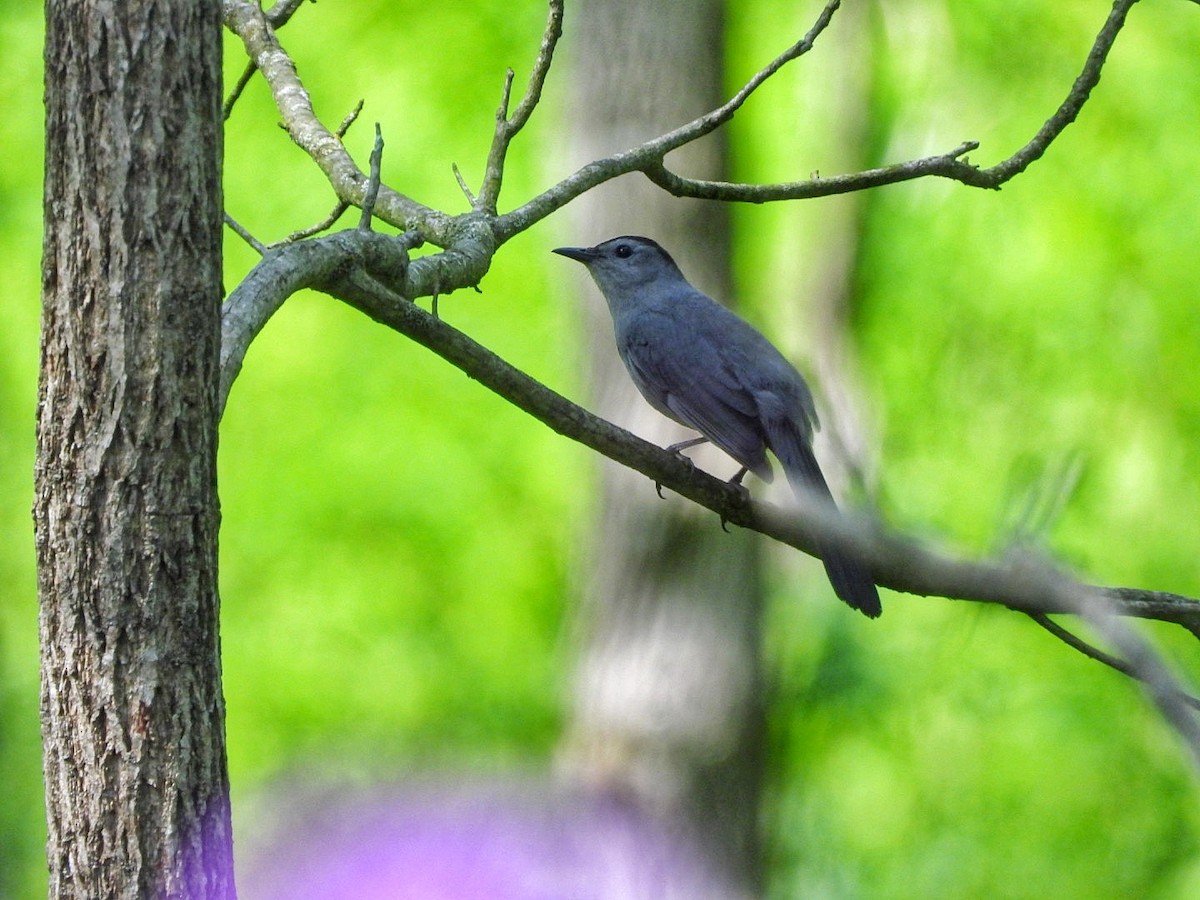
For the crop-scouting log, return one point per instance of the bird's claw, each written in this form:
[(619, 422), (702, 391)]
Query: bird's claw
[(675, 448), (743, 492)]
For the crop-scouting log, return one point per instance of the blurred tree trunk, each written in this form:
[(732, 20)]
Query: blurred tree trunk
[(126, 506), (829, 280), (666, 708)]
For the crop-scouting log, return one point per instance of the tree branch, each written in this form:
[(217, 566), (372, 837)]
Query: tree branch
[(1070, 107), (1143, 663), (238, 88), (244, 233), (286, 269), (1077, 643), (947, 165), (247, 20), (256, 30), (324, 225), (651, 153), (290, 268), (282, 11), (278, 15), (506, 128), (371, 194), (351, 118)]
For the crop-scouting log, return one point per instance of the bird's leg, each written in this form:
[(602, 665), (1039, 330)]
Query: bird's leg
[(683, 445), (676, 448)]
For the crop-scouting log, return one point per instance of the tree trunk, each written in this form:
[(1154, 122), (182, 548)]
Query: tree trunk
[(667, 707), (126, 509), (833, 255)]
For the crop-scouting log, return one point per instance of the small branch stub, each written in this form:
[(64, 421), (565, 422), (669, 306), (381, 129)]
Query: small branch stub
[(372, 190)]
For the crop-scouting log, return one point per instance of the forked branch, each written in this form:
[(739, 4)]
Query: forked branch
[(506, 127), (950, 165), (348, 181), (247, 20)]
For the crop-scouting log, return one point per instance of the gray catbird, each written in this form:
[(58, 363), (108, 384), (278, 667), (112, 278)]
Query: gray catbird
[(701, 365)]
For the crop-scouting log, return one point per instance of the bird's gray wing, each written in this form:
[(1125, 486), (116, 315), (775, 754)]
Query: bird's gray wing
[(690, 381)]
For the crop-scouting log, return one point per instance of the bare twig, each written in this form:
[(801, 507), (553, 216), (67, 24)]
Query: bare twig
[(1074, 641), (541, 68), (324, 225), (238, 88), (462, 185), (1140, 659), (245, 235), (351, 116), (372, 191), (507, 128), (1067, 111)]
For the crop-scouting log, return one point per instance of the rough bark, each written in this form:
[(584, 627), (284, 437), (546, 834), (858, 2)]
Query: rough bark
[(667, 703), (126, 507)]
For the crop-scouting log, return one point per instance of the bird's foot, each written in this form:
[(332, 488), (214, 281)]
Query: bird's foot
[(678, 449), (736, 481)]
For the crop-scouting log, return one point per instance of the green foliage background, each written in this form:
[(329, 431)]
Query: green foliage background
[(398, 545)]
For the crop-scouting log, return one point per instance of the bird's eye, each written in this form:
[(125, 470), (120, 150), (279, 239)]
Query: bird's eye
[(623, 251)]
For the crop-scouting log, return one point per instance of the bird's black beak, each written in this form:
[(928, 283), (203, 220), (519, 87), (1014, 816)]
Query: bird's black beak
[(580, 254)]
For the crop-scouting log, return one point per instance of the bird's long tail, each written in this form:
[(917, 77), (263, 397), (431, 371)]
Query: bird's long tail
[(851, 581)]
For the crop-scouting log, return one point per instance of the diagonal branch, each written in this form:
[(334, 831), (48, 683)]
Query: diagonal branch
[(241, 231), (1077, 643), (289, 268), (1070, 107), (278, 15), (324, 225), (895, 561), (651, 153), (356, 267), (900, 563), (1140, 658)]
